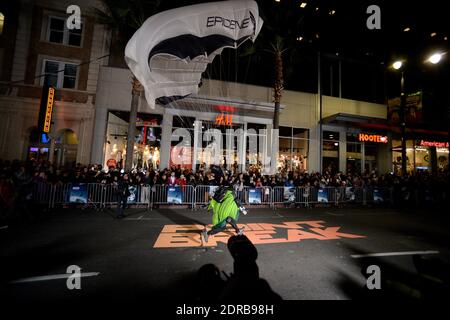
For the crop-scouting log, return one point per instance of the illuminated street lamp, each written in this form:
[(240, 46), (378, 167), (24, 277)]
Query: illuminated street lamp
[(397, 65), (435, 58)]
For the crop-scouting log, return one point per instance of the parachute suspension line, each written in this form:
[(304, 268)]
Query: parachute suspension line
[(247, 68), (220, 74), (236, 65), (208, 73), (220, 66), (228, 76)]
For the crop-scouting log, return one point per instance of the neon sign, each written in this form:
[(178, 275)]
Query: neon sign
[(49, 109), (224, 119), (436, 144), (363, 137)]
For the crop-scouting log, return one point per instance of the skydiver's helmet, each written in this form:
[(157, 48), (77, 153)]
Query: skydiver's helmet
[(219, 194)]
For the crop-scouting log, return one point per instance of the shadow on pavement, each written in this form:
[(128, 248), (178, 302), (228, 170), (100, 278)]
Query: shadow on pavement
[(430, 279)]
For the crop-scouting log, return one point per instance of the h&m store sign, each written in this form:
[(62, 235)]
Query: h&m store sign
[(364, 137)]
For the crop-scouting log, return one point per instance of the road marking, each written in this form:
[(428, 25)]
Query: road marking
[(276, 212), (334, 214), (188, 235), (388, 254), (3, 227), (162, 219), (54, 277)]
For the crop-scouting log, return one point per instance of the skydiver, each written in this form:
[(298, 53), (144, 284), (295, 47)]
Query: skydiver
[(226, 209)]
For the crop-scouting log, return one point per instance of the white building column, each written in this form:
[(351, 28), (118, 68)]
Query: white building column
[(313, 152), (166, 137), (99, 135), (197, 143), (384, 157), (243, 151), (342, 150), (363, 156)]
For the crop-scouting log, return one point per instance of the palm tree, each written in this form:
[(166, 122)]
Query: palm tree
[(124, 18), (279, 81), (277, 38)]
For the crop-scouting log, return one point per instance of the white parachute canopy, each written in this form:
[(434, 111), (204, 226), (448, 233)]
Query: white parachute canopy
[(171, 50)]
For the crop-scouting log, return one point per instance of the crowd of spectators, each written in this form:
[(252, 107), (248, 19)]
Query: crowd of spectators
[(20, 173), (17, 180)]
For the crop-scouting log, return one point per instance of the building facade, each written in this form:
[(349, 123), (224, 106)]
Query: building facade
[(35, 41), (93, 97)]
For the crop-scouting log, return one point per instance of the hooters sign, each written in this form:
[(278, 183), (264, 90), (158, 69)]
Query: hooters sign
[(364, 137)]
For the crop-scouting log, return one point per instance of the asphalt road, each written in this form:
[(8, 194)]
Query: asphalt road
[(119, 260)]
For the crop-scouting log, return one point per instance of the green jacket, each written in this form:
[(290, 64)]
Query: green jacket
[(221, 211)]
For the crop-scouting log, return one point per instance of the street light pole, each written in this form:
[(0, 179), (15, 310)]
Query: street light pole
[(403, 122), (398, 65)]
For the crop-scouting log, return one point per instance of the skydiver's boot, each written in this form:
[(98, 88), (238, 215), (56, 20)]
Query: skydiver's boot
[(205, 235)]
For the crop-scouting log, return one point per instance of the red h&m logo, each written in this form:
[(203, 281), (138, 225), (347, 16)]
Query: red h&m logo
[(224, 119)]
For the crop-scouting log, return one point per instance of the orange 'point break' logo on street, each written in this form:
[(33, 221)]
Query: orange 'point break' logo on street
[(179, 236)]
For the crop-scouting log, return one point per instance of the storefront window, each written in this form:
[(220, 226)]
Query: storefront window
[(147, 144), (418, 155), (370, 157), (354, 156), (442, 158), (204, 156), (330, 152), (66, 148), (293, 149), (181, 149), (38, 146), (254, 136)]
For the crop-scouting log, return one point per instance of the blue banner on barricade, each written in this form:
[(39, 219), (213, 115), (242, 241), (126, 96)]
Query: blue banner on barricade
[(174, 195), (322, 195), (254, 196), (78, 193)]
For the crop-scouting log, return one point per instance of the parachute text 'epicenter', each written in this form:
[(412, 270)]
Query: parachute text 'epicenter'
[(188, 235), (227, 23)]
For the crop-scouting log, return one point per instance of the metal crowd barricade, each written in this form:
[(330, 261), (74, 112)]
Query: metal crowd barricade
[(264, 198), (110, 196), (182, 195), (303, 195), (378, 196), (144, 195), (349, 195), (105, 195), (42, 193), (277, 196), (96, 193), (140, 196), (60, 194), (323, 196), (202, 194)]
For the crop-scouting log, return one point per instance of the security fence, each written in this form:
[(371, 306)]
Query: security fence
[(162, 195), (100, 196)]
